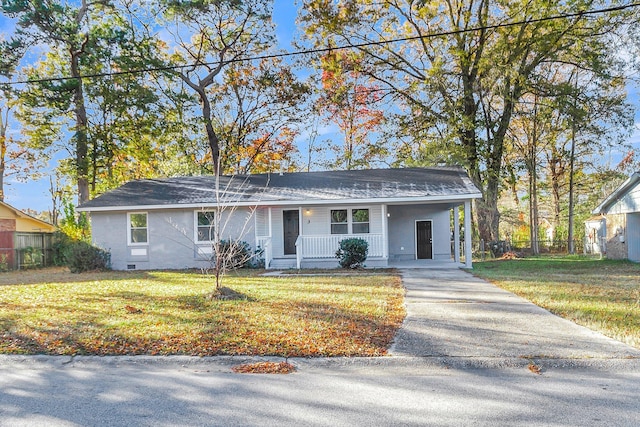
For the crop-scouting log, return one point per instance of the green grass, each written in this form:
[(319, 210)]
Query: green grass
[(113, 313), (603, 295)]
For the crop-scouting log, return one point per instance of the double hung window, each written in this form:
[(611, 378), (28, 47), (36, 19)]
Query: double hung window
[(339, 221), (205, 223), (138, 231), (344, 221), (360, 221)]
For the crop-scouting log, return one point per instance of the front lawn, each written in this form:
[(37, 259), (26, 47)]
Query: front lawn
[(603, 295), (115, 313)]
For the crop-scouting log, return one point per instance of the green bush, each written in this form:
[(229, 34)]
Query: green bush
[(352, 253), (258, 259), (59, 246), (80, 256)]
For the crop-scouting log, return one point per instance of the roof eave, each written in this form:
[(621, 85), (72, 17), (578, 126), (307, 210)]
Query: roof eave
[(390, 200), (25, 215), (615, 196)]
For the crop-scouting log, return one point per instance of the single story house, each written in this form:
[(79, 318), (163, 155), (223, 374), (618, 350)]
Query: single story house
[(25, 241), (296, 219), (615, 231)]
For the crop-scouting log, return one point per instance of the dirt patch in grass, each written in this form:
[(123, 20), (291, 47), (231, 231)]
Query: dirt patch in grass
[(166, 312), (224, 293)]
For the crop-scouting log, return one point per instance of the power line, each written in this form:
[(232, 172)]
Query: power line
[(343, 47)]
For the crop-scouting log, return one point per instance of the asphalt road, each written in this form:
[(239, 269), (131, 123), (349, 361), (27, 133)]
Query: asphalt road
[(461, 358), (204, 392)]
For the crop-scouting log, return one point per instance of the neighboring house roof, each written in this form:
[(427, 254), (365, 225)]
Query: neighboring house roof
[(24, 222), (330, 187), (625, 190)]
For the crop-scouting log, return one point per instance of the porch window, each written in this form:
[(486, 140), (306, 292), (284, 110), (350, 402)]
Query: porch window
[(360, 221), (138, 232), (339, 221), (205, 226)]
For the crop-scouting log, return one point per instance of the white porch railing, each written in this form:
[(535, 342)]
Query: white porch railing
[(265, 244), (325, 246)]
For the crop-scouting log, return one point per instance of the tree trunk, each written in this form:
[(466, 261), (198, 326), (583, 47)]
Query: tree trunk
[(532, 165), (570, 245), (572, 157), (80, 137), (212, 137), (489, 216), (533, 208), (3, 153), (555, 171)]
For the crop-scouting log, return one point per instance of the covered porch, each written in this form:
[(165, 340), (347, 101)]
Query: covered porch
[(419, 235)]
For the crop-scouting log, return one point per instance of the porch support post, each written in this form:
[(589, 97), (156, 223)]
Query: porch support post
[(268, 253), (255, 225), (467, 234), (385, 233), (299, 248), (456, 233)]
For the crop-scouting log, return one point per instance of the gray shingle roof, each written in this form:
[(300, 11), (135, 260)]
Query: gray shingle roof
[(419, 184)]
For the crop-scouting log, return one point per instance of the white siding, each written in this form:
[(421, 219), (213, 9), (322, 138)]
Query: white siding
[(375, 219), (629, 203), (316, 221), (262, 222)]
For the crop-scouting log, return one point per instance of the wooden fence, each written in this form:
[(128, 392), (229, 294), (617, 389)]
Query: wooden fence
[(25, 250)]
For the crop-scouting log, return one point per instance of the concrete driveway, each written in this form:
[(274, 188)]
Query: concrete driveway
[(457, 318)]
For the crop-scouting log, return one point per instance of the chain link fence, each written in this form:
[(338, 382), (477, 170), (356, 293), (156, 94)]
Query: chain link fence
[(496, 249)]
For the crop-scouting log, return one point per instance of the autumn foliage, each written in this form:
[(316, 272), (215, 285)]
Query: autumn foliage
[(350, 100)]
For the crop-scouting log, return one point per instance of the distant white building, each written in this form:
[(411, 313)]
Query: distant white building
[(615, 231)]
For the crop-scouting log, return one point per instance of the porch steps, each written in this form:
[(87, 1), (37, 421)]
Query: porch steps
[(282, 263)]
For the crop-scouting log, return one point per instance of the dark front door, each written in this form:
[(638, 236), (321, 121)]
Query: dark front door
[(291, 226), (424, 240)]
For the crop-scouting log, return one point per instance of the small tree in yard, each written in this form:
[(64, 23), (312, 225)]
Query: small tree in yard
[(352, 253), (221, 228), (228, 253)]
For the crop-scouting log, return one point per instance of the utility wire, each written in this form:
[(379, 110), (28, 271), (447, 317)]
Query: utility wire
[(334, 48)]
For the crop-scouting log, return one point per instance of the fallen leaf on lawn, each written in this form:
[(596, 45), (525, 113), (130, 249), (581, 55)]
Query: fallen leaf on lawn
[(264, 368), (132, 309)]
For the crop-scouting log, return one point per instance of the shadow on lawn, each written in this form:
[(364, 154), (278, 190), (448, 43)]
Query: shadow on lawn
[(63, 275)]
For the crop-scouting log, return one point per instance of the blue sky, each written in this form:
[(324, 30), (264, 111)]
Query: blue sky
[(35, 194)]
